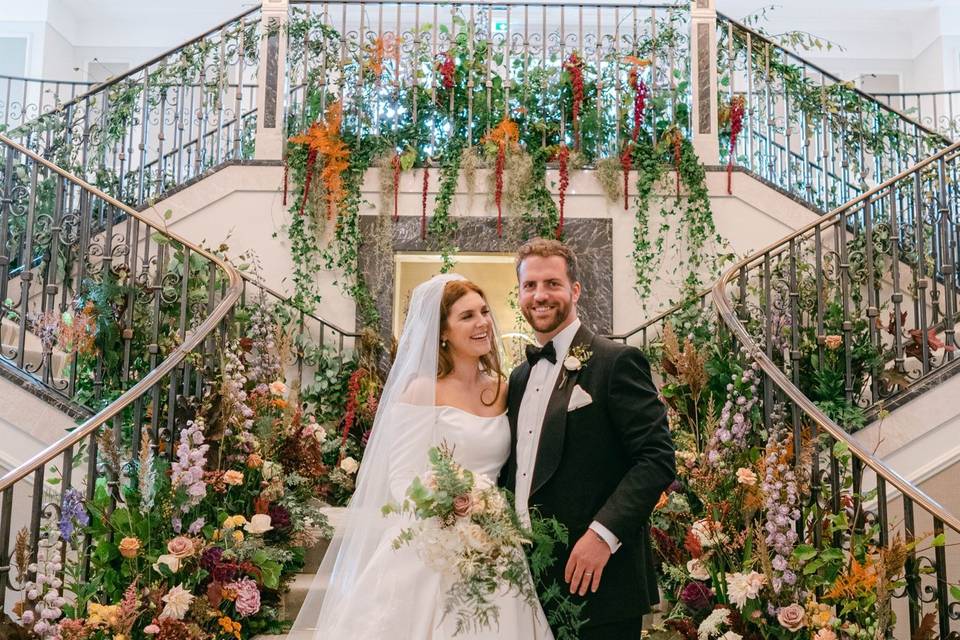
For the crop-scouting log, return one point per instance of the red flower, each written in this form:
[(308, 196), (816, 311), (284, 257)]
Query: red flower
[(423, 215), (692, 544), (563, 155), (447, 70), (736, 125), (574, 67), (396, 184), (626, 162)]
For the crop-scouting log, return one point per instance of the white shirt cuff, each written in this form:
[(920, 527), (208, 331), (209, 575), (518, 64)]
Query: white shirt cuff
[(607, 535)]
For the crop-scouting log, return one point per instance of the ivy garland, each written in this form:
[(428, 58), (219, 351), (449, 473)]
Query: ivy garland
[(442, 225)]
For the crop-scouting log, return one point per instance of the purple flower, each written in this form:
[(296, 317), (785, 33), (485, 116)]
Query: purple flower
[(196, 526), (696, 596), (279, 517), (210, 558), (72, 513)]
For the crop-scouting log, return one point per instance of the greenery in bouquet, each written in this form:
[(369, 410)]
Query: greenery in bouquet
[(194, 543), (466, 529)]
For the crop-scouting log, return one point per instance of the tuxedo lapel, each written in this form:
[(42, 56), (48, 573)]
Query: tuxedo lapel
[(518, 385), (553, 431)]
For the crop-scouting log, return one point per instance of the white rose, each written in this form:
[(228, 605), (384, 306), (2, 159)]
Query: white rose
[(259, 523), (172, 561), (572, 363), (349, 465), (698, 570)]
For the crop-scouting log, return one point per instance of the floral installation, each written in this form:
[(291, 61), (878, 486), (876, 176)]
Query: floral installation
[(198, 545), (734, 536), (465, 528)]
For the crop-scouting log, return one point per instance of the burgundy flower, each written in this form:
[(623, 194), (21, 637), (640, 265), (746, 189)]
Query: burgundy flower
[(225, 572), (210, 558), (279, 517), (696, 596)]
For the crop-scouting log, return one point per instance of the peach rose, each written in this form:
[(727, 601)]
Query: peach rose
[(792, 617), (129, 547), (181, 547), (833, 342), (462, 505), (746, 476), (254, 461)]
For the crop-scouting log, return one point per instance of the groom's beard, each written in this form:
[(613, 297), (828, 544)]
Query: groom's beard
[(546, 323)]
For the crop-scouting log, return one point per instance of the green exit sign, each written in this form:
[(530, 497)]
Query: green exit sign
[(500, 26)]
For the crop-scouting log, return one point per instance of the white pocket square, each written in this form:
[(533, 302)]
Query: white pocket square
[(578, 398)]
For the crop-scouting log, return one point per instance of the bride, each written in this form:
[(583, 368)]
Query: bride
[(445, 386)]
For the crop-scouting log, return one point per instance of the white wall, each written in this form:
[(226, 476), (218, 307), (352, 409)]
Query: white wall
[(241, 205)]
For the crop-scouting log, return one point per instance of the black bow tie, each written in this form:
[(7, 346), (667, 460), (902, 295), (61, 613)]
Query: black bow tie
[(546, 352)]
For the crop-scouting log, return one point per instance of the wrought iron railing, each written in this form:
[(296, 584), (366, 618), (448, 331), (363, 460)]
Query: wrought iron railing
[(163, 122), (373, 56), (22, 100), (936, 110), (804, 129), (164, 304), (852, 283), (52, 303)]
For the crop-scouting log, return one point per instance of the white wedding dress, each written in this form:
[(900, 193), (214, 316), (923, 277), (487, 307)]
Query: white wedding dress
[(397, 595)]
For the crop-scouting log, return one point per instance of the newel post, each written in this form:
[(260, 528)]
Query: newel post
[(703, 54), (271, 81)]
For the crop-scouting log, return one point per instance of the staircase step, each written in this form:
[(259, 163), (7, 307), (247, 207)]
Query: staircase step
[(293, 600)]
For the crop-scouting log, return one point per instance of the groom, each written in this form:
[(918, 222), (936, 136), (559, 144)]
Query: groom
[(591, 447)]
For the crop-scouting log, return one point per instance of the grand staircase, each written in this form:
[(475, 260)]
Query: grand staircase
[(872, 285)]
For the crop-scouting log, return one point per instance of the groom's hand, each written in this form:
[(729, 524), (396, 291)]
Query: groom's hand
[(585, 566)]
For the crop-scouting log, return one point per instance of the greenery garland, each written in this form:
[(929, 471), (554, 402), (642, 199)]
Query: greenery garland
[(442, 226)]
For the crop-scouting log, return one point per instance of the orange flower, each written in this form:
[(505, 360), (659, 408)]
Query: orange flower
[(324, 143), (637, 62), (662, 502)]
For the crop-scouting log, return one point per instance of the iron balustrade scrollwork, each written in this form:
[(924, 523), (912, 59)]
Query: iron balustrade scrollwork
[(936, 110), (381, 62), (23, 100), (804, 129), (170, 305), (161, 123), (866, 299)]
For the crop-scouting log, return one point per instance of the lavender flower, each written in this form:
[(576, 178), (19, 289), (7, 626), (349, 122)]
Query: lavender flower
[(730, 435), (782, 509), (72, 513)]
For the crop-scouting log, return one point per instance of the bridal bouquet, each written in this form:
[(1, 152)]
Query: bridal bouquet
[(466, 529)]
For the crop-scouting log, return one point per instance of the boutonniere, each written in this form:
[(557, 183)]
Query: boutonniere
[(576, 360)]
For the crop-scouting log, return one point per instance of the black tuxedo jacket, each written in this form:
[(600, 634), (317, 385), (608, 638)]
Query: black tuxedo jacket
[(608, 461)]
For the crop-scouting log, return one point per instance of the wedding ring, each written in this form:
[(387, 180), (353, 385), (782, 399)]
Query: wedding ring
[(588, 573)]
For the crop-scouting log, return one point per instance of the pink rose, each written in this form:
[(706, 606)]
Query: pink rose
[(746, 476), (792, 617), (181, 547), (462, 505), (825, 634)]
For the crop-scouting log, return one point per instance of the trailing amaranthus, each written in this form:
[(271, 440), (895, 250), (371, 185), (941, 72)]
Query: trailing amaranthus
[(324, 144), (574, 68), (640, 94), (353, 401), (447, 70), (626, 163), (737, 104), (503, 135), (563, 156)]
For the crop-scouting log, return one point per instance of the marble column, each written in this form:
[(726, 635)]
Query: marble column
[(703, 55), (271, 81)]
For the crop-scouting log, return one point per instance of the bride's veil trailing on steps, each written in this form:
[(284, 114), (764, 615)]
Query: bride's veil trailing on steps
[(395, 436)]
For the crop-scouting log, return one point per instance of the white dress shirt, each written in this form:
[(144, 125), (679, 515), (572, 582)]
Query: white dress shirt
[(533, 409)]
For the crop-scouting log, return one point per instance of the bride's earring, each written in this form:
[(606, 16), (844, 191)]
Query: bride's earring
[(443, 344)]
